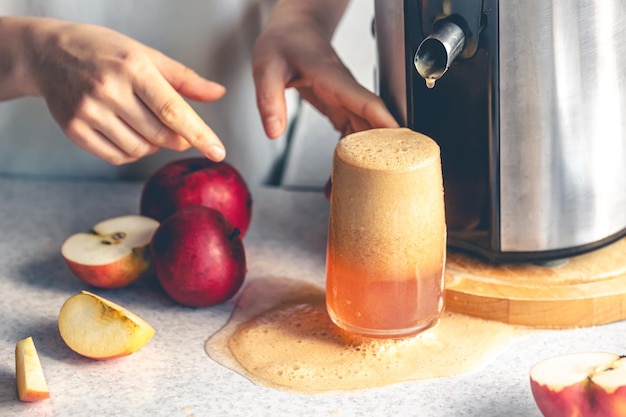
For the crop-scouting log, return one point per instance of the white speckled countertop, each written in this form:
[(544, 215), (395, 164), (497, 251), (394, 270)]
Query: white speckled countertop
[(172, 375)]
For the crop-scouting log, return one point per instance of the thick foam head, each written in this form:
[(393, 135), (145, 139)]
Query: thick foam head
[(397, 149)]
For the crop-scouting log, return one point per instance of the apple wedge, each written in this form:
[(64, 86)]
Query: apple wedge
[(100, 329), (587, 384), (113, 254), (31, 382)]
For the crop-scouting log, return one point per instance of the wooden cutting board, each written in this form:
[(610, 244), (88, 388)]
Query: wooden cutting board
[(586, 290)]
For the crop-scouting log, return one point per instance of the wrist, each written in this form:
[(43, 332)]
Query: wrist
[(324, 15), (15, 69)]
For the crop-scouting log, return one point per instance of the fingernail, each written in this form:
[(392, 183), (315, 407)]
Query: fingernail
[(217, 153)]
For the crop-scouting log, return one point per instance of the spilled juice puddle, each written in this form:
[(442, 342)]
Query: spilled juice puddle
[(281, 336)]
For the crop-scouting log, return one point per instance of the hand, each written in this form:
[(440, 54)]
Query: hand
[(115, 97), (294, 50)]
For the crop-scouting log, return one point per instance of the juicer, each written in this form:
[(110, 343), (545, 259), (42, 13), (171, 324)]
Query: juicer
[(527, 100)]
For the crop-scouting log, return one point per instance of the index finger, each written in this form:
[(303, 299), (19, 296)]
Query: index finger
[(270, 84), (174, 112)]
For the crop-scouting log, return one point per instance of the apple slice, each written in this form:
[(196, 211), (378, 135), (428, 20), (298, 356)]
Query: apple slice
[(100, 329), (31, 382), (589, 384), (114, 254)]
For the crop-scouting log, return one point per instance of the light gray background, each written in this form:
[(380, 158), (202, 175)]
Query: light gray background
[(215, 38)]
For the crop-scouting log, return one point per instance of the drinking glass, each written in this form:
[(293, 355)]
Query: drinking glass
[(387, 234)]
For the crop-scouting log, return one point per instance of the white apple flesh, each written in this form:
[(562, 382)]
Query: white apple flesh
[(114, 254), (30, 379), (97, 328), (587, 384)]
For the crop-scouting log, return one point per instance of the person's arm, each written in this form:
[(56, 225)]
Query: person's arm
[(14, 80), (294, 50), (111, 95)]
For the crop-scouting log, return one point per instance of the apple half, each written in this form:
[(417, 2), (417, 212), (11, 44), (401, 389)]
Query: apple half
[(586, 384), (97, 328), (31, 382), (113, 254)]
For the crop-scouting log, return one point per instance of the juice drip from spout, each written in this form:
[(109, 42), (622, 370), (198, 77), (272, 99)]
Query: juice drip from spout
[(280, 336), (430, 82)]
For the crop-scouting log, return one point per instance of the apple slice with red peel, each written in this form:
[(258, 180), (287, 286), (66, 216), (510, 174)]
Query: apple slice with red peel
[(97, 328), (31, 382), (115, 252), (586, 384)]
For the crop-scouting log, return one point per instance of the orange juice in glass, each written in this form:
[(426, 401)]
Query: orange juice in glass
[(387, 234)]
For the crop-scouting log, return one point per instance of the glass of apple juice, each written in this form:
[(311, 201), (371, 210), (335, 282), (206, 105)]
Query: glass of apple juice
[(387, 234)]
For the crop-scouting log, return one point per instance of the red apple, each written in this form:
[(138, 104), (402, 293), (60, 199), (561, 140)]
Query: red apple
[(589, 384), (198, 257), (198, 182), (113, 254)]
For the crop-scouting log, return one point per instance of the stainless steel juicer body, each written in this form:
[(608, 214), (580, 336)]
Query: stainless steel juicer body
[(529, 108)]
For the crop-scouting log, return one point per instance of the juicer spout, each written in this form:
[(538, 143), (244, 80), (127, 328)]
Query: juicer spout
[(438, 50)]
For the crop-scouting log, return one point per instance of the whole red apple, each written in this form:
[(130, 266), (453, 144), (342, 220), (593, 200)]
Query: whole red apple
[(198, 257), (198, 182)]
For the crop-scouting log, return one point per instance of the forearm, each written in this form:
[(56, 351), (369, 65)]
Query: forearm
[(15, 80), (325, 14)]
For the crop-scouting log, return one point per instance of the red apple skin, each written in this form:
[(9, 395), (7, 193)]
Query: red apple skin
[(114, 275), (198, 182), (33, 396), (570, 401), (609, 404), (584, 399), (198, 257)]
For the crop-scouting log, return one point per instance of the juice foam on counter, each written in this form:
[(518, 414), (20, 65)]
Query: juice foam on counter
[(280, 336)]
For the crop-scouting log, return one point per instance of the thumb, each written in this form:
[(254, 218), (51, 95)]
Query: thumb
[(186, 81)]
